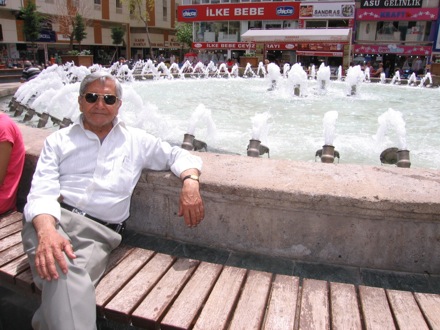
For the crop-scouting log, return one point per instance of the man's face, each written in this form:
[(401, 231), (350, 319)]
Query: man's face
[(99, 115)]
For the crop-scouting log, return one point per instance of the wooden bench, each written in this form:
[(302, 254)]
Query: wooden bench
[(152, 290)]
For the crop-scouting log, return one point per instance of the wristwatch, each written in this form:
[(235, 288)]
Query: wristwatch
[(191, 176)]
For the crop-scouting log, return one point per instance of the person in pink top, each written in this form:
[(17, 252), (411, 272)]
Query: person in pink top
[(12, 154)]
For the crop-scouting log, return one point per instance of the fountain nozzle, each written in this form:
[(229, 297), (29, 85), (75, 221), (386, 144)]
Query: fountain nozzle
[(327, 154), (190, 143), (256, 149), (403, 159)]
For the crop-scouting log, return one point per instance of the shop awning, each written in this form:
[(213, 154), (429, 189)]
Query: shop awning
[(298, 35)]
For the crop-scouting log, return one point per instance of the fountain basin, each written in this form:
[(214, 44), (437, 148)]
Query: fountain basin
[(348, 215)]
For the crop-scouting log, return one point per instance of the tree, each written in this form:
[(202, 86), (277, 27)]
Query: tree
[(32, 23), (65, 16), (79, 29), (141, 10), (184, 35), (117, 37)]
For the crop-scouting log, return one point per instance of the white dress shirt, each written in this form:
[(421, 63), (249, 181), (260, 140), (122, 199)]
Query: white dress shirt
[(99, 178)]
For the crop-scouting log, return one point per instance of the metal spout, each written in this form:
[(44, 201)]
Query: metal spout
[(200, 145), (297, 90), (28, 116), (43, 120), (256, 149), (66, 122), (327, 154), (403, 159), (188, 140), (353, 89)]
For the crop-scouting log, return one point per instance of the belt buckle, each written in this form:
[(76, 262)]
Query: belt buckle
[(78, 211)]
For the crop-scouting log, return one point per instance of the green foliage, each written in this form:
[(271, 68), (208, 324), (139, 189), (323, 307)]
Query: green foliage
[(184, 33), (79, 28), (75, 52), (32, 21), (117, 35)]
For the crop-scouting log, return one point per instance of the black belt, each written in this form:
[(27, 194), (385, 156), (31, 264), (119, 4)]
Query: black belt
[(117, 227)]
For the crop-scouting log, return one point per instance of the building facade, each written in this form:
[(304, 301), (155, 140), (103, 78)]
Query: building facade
[(100, 17)]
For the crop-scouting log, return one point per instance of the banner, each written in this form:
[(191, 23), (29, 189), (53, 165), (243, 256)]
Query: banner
[(225, 45), (391, 3), (404, 14), (392, 49), (342, 10), (239, 12)]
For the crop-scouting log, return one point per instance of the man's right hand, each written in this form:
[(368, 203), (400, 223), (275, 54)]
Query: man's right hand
[(51, 248)]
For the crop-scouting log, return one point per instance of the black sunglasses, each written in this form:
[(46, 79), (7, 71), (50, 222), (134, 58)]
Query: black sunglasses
[(109, 99)]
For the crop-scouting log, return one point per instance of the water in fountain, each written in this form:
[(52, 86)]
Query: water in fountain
[(260, 126), (248, 72), (202, 118), (396, 78), (297, 78), (353, 79), (388, 120), (223, 70), (339, 73), (412, 79), (234, 70), (367, 74), (261, 69), (162, 107), (274, 75), (382, 78), (312, 72), (426, 77), (329, 123), (286, 69), (323, 77)]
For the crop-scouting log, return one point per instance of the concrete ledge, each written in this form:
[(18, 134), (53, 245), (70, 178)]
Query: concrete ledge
[(361, 216)]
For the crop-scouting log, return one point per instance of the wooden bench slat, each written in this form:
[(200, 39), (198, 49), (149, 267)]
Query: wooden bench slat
[(375, 308), (188, 304), (13, 217), (251, 305), (117, 256), (9, 271), (315, 313), (120, 275), (283, 302), (430, 306), (10, 240), (152, 308), (344, 307), (11, 229), (25, 280), (406, 311), (11, 253), (129, 297), (218, 308)]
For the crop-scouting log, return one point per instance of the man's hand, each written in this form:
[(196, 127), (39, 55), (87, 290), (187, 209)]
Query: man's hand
[(51, 248), (191, 203)]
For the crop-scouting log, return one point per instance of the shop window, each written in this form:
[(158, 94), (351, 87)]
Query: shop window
[(97, 2), (118, 7), (388, 31), (255, 25), (1, 33), (334, 23), (316, 24)]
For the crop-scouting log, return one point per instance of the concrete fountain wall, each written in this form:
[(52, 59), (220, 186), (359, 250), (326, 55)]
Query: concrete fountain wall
[(362, 216)]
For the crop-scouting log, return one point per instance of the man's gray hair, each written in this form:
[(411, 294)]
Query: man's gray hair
[(101, 75)]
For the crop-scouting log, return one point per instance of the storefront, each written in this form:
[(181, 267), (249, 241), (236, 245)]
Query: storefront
[(217, 28), (396, 36), (303, 44)]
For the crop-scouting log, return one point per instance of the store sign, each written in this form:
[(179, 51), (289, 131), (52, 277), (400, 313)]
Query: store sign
[(321, 47), (326, 10), (325, 54), (224, 45), (392, 49), (47, 36), (408, 14), (391, 3), (238, 12)]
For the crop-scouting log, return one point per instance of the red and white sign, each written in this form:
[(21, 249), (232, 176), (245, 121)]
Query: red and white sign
[(326, 54), (392, 49), (398, 14), (306, 47), (224, 45), (239, 12)]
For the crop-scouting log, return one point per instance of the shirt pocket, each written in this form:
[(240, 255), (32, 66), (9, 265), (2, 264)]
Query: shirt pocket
[(120, 178)]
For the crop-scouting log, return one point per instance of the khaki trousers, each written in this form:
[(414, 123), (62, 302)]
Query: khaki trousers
[(69, 303)]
